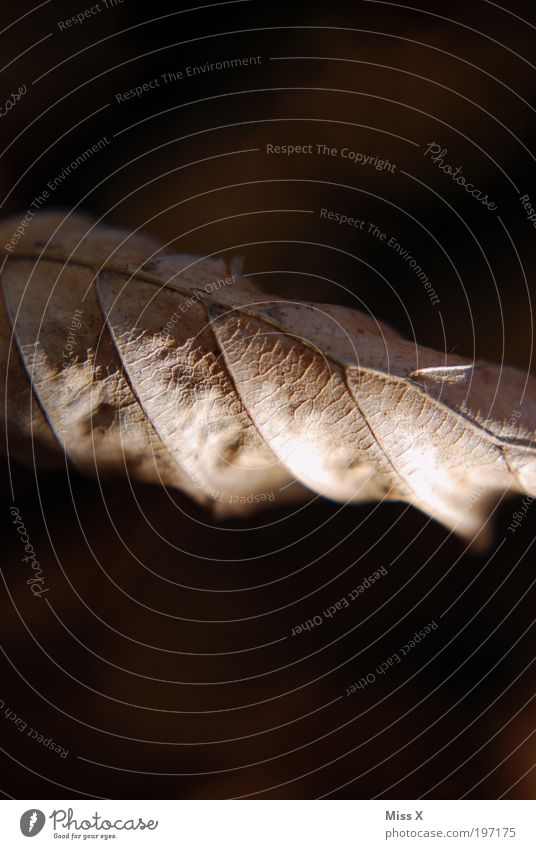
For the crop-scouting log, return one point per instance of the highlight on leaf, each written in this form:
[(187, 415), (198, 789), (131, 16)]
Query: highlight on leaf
[(122, 359)]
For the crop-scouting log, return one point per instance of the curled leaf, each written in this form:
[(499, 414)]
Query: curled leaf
[(175, 369)]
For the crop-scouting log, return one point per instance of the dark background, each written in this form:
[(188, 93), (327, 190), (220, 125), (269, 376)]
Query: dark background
[(160, 663)]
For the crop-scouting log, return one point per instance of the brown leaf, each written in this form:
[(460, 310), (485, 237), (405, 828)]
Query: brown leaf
[(174, 369)]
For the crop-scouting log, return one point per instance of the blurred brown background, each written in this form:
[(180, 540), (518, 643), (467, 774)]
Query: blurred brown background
[(164, 662)]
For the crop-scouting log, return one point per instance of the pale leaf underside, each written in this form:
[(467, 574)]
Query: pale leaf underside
[(122, 359)]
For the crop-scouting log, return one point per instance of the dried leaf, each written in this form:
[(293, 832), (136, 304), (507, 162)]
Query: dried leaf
[(174, 369)]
